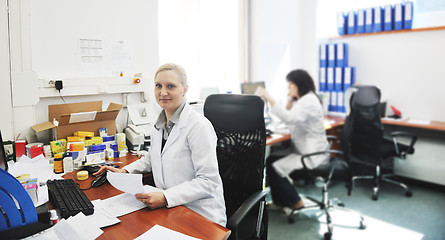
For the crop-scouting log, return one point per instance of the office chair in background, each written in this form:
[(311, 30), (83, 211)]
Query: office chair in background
[(321, 176), (368, 153), (239, 125)]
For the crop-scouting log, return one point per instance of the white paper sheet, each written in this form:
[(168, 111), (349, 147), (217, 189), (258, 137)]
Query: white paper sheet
[(129, 183), (100, 216), (77, 227), (160, 232), (121, 204), (82, 117)]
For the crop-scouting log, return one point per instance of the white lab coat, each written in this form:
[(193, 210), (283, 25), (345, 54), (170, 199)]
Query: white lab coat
[(305, 121), (187, 168)]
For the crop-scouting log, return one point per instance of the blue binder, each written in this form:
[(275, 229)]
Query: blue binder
[(378, 19), (348, 77), (361, 16), (338, 86), (322, 79), (388, 18), (408, 15), (333, 102), (369, 22), (330, 78), (332, 55), (323, 55), (342, 55), (398, 16), (352, 22), (341, 101), (341, 23)]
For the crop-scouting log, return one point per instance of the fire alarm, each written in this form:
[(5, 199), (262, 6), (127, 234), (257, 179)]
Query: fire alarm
[(136, 80)]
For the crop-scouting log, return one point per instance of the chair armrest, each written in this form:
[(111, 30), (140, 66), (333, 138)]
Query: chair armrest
[(328, 152), (403, 134), (245, 208)]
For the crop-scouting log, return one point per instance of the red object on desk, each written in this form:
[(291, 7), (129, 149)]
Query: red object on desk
[(20, 148), (396, 111)]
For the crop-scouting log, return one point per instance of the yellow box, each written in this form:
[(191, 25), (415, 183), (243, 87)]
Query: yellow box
[(58, 146), (75, 139), (97, 140), (84, 134)]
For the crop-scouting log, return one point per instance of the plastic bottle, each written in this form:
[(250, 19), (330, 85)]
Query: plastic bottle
[(53, 218), (58, 163)]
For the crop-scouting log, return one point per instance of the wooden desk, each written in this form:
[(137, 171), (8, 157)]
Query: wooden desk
[(180, 219), (335, 122), (433, 125)]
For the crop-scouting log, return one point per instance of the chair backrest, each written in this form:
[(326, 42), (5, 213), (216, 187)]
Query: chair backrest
[(362, 133), (239, 124), (12, 192)]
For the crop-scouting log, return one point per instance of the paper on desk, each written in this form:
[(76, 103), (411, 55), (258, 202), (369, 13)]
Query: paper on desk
[(121, 204), (129, 183), (77, 227), (100, 216), (419, 121), (160, 232)]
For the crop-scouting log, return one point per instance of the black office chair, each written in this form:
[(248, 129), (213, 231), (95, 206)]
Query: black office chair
[(239, 124), (369, 154), (321, 176)]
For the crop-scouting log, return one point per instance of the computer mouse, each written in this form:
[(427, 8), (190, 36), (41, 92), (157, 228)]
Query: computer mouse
[(99, 180)]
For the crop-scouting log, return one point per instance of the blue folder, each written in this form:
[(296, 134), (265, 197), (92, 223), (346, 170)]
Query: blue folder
[(378, 19), (341, 101), (330, 78), (338, 86), (323, 55), (369, 21), (388, 18), (341, 23), (342, 55), (322, 79), (361, 16), (333, 102), (408, 15), (352, 22), (398, 16), (332, 55), (348, 77)]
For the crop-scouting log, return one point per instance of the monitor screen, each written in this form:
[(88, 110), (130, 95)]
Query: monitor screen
[(3, 159), (250, 88)]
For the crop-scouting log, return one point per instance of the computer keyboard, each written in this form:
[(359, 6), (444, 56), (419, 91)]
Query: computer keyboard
[(66, 196)]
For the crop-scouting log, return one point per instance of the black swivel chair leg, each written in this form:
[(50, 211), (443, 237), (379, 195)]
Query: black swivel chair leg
[(386, 178)]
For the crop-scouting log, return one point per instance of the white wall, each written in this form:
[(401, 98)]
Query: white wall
[(6, 122), (54, 31), (407, 67)]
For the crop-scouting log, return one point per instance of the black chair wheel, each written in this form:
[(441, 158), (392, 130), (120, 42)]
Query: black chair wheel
[(409, 194), (328, 236), (375, 197), (340, 204), (290, 220), (362, 225)]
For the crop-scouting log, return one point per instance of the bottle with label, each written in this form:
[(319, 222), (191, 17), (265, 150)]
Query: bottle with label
[(58, 163)]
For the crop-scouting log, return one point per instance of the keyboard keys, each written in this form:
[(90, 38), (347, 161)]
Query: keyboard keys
[(66, 196)]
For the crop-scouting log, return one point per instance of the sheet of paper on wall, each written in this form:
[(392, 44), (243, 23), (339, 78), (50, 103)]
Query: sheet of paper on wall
[(82, 117), (129, 183), (160, 232)]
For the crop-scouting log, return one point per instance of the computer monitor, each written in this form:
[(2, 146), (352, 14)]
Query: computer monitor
[(3, 159), (250, 88)]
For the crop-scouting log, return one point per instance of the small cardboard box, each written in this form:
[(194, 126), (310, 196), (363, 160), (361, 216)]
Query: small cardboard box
[(84, 116)]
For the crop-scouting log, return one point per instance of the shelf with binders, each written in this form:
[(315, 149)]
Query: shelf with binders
[(335, 76), (389, 32)]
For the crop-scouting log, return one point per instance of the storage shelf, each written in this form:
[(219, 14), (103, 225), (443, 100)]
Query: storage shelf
[(389, 32)]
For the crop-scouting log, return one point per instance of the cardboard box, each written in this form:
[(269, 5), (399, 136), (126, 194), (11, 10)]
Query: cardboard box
[(84, 116)]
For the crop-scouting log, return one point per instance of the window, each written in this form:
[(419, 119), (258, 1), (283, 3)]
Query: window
[(203, 36)]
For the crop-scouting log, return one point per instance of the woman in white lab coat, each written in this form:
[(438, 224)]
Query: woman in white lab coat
[(304, 117), (182, 154)]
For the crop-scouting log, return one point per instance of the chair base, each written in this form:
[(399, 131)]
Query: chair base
[(377, 180), (326, 205)]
